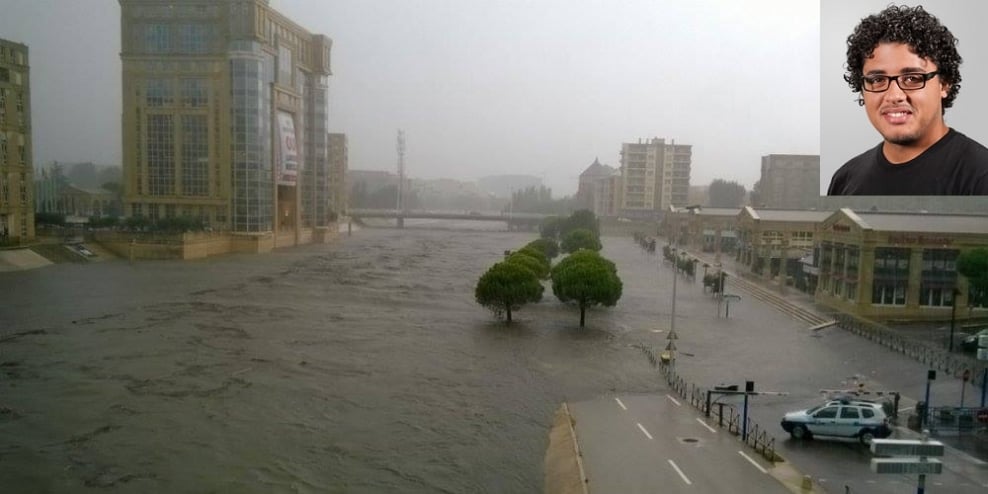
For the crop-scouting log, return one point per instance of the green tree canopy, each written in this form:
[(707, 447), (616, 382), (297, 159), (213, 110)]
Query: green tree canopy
[(549, 228), (506, 286), (973, 264), (535, 254), (525, 259), (548, 246), (580, 239), (582, 219), (587, 279)]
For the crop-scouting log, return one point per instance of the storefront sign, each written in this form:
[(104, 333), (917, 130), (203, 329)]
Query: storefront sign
[(919, 240)]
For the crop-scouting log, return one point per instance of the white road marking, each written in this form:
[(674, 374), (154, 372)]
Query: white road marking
[(711, 429), (906, 408), (680, 472), (622, 404), (753, 462), (674, 400), (645, 431)]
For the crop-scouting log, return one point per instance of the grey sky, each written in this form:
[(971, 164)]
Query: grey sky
[(504, 86), (845, 129)]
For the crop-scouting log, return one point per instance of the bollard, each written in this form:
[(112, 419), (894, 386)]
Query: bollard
[(807, 483)]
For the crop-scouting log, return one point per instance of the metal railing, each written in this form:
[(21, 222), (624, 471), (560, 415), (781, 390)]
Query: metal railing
[(756, 437), (925, 352)]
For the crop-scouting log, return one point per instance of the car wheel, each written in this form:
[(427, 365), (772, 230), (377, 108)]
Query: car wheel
[(866, 436), (800, 432)]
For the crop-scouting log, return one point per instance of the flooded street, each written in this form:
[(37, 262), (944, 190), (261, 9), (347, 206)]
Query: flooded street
[(359, 366)]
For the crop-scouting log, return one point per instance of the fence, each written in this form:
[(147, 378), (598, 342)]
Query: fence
[(960, 420), (756, 437), (923, 351)]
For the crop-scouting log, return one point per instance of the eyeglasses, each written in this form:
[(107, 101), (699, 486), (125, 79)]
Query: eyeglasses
[(906, 82)]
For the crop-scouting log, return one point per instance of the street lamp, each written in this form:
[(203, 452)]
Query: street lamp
[(953, 316)]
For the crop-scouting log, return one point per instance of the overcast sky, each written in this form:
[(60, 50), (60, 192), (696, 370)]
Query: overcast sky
[(846, 131), (540, 87)]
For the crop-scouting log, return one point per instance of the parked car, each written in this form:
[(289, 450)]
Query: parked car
[(970, 343), (861, 419)]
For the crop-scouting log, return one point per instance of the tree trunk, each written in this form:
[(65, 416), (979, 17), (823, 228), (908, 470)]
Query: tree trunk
[(583, 312), (508, 312)]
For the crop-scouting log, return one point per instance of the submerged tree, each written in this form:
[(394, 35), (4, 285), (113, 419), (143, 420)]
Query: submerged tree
[(524, 258), (581, 238), (587, 279), (506, 286), (548, 246)]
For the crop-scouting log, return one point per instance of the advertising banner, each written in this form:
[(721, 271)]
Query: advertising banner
[(288, 152)]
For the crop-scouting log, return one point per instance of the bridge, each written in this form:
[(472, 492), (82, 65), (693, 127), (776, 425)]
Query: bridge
[(515, 221)]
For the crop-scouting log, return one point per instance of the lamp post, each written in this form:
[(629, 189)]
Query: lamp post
[(953, 316)]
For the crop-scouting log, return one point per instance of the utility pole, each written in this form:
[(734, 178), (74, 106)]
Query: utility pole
[(400, 147)]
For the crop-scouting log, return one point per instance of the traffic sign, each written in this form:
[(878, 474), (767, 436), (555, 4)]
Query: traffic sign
[(906, 447), (921, 466)]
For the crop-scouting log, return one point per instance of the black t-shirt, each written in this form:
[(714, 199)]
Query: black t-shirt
[(954, 165)]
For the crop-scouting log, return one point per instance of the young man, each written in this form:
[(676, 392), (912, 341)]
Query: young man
[(905, 65)]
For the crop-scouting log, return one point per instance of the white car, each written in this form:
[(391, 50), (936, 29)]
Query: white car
[(859, 419)]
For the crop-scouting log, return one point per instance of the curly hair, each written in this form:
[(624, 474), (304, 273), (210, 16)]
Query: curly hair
[(911, 26)]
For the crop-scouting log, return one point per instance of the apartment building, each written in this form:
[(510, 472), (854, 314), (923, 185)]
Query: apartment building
[(16, 159)]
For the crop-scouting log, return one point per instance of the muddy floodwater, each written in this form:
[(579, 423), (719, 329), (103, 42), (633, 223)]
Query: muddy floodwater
[(359, 366)]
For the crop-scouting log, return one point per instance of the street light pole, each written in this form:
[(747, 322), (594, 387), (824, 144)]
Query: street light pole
[(953, 316)]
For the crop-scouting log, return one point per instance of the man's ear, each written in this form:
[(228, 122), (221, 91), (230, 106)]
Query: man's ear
[(944, 89)]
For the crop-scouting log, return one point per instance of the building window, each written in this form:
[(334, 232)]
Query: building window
[(194, 38), (157, 92), (853, 260), (891, 276), (284, 66), (156, 38), (936, 288), (194, 93), (160, 154), (195, 155)]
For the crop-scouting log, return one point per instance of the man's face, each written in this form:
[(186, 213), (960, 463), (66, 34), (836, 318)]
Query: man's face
[(912, 117)]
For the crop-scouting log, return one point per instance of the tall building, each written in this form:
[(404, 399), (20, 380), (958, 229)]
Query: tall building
[(655, 175), (338, 163), (789, 181), (607, 195), (16, 158), (225, 117), (589, 177)]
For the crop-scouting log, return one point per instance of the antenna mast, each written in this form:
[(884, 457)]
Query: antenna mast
[(400, 147)]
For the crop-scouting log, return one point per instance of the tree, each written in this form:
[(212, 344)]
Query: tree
[(580, 239), (548, 246), (525, 259), (549, 228), (584, 219), (587, 279), (507, 286), (535, 254), (724, 194), (973, 264)]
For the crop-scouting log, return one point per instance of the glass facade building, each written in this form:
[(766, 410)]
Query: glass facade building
[(225, 116)]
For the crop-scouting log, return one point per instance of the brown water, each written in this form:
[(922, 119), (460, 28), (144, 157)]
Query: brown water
[(361, 366)]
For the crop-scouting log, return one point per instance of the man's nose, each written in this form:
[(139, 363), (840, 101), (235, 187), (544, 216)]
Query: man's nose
[(894, 92)]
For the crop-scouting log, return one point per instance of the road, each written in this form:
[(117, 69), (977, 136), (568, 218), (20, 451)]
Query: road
[(649, 443), (780, 353)]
